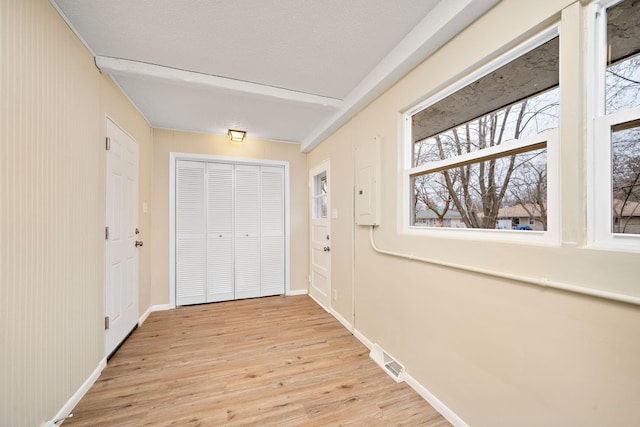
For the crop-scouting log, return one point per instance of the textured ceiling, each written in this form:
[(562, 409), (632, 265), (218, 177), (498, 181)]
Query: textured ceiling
[(320, 47), (291, 48), (276, 119)]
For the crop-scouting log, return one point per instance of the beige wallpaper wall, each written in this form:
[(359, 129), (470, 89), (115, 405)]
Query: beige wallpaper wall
[(166, 141), (52, 123), (496, 352)]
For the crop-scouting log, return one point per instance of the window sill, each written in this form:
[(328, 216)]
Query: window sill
[(527, 237)]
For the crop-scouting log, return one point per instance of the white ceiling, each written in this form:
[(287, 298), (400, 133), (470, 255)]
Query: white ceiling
[(288, 70)]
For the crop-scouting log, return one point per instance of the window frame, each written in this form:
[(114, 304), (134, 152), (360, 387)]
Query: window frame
[(599, 131), (551, 137)]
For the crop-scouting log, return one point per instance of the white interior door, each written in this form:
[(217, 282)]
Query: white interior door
[(121, 253), (230, 231), (190, 233), (320, 287), (247, 231), (272, 264), (220, 253)]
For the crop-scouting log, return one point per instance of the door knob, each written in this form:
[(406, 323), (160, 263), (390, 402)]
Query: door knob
[(327, 249), (138, 243)]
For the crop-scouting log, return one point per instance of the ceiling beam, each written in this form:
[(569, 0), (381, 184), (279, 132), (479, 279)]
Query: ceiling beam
[(136, 69), (445, 21)]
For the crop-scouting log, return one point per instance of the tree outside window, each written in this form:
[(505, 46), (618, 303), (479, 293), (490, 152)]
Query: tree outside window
[(481, 190), (622, 92)]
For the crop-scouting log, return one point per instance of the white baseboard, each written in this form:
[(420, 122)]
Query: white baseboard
[(320, 304), (342, 320), (419, 388), (160, 307), (144, 316), (435, 402), (298, 292), (362, 339), (78, 395), (412, 382), (335, 314)]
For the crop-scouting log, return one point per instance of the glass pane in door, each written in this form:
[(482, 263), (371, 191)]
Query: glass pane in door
[(320, 188)]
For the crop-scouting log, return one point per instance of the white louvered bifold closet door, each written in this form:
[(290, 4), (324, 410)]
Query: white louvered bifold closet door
[(272, 231), (247, 231), (220, 253), (190, 233), (230, 231)]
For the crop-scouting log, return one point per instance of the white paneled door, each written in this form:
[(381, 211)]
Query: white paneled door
[(121, 252), (320, 287), (230, 231)]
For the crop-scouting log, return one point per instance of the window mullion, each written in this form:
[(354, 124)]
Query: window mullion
[(506, 149)]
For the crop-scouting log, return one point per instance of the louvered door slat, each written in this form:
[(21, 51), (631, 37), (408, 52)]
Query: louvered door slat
[(220, 253), (272, 266), (220, 271), (247, 225), (190, 233), (219, 198), (190, 198), (247, 268), (190, 273), (247, 200), (272, 206)]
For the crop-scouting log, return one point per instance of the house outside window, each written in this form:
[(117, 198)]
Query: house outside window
[(482, 147), (616, 136)]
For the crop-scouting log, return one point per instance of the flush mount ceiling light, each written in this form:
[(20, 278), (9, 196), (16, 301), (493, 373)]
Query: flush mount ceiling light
[(236, 135)]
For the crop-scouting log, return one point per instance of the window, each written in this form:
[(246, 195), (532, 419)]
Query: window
[(616, 145), (480, 152), (320, 196)]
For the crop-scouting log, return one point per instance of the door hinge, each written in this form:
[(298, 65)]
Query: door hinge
[(108, 144), (106, 233), (106, 322)]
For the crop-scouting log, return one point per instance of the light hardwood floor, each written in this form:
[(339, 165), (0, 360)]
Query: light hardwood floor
[(278, 361)]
